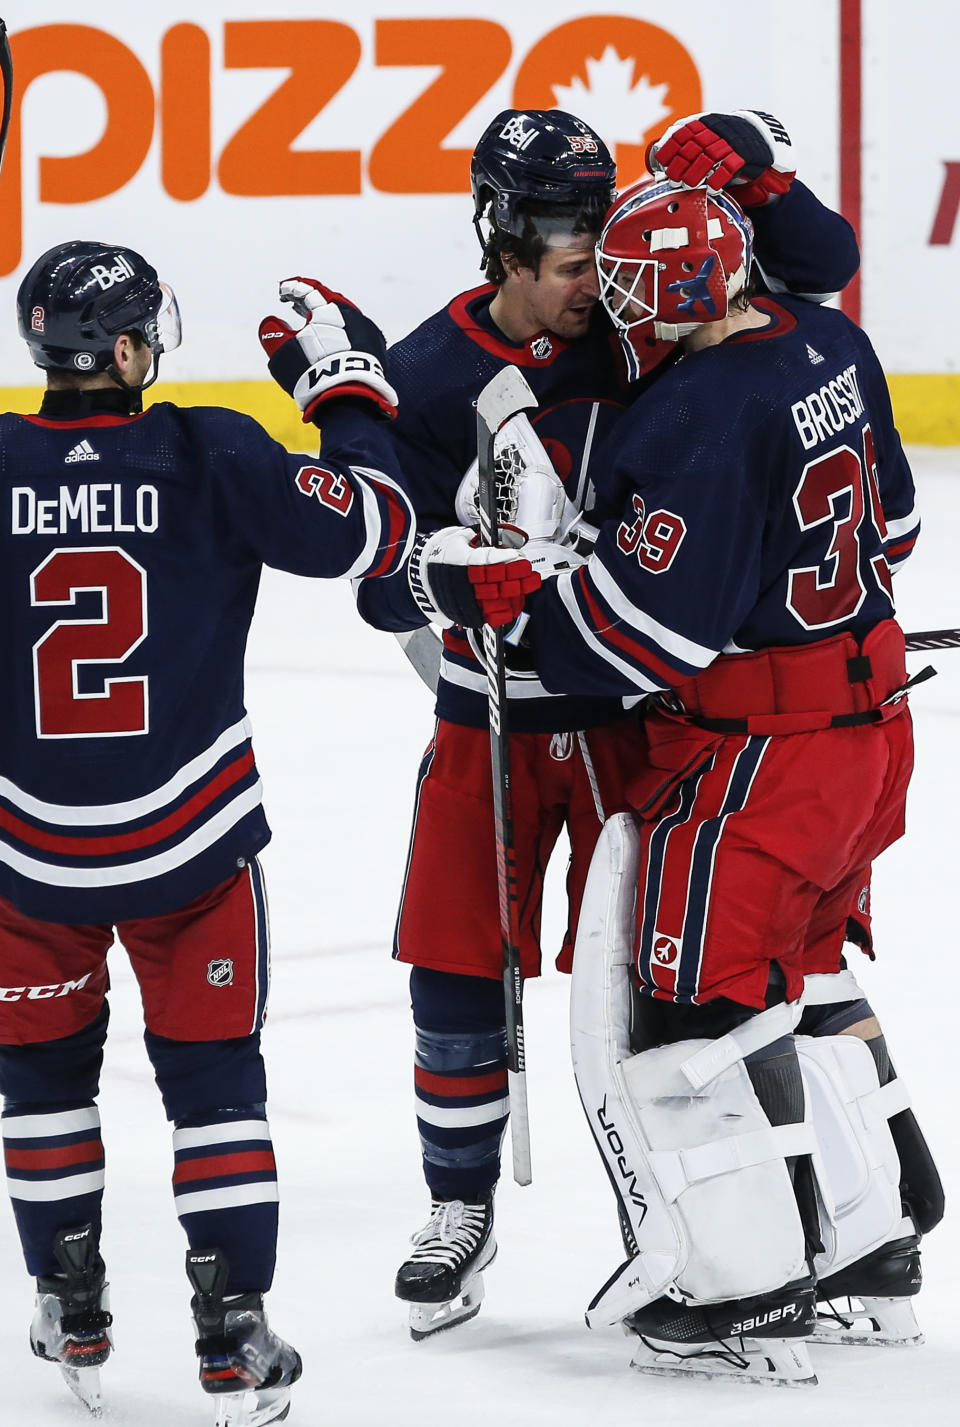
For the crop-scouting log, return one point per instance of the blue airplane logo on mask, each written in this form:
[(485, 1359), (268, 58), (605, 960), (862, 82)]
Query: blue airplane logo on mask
[(696, 288)]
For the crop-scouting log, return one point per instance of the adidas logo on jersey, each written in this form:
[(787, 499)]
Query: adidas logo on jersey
[(814, 355), (83, 451)]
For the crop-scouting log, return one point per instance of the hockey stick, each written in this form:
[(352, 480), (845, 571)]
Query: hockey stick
[(504, 396), (6, 70), (935, 639)]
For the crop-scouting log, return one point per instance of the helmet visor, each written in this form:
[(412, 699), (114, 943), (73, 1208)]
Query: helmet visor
[(164, 331)]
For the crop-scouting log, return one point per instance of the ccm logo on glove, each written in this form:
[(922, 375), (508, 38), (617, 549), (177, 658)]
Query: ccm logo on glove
[(337, 353)]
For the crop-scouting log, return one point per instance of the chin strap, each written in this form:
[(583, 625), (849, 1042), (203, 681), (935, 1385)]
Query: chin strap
[(135, 391)]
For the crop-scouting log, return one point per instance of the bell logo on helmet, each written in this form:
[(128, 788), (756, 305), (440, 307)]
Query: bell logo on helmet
[(516, 133), (109, 277)]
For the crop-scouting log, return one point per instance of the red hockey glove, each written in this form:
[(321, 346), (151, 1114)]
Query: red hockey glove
[(455, 580), (339, 353), (746, 151)]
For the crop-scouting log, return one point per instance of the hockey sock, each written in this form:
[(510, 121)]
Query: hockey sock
[(54, 1162), (51, 1138), (460, 1076), (225, 1191), (225, 1176)]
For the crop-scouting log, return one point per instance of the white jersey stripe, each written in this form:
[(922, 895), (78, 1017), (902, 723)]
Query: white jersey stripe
[(72, 815), (590, 638), (105, 876), (898, 528), (674, 645), (476, 680), (44, 1191), (231, 1196), (373, 521)]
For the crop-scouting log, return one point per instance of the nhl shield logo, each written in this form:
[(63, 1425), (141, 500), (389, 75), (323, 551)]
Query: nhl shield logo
[(220, 973), (541, 348)]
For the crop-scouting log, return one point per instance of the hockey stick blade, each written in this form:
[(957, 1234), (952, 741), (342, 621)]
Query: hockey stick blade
[(423, 648), (507, 394)]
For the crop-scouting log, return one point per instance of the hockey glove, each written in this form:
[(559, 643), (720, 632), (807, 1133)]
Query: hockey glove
[(746, 151), (530, 494), (339, 353), (456, 580)]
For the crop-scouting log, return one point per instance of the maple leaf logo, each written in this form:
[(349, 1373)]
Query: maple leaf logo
[(612, 101)]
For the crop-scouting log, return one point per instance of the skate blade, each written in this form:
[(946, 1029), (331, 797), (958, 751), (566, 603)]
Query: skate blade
[(870, 1323), (770, 1363), (429, 1318), (85, 1384), (253, 1409)]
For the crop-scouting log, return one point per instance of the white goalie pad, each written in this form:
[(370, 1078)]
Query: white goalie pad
[(699, 1170), (855, 1160)]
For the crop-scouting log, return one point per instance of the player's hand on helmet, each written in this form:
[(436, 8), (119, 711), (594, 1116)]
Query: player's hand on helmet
[(746, 151), (456, 580), (338, 353)]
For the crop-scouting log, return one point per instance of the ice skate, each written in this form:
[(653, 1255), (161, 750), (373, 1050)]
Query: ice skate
[(71, 1323), (750, 1340), (870, 1301), (442, 1280), (241, 1360)]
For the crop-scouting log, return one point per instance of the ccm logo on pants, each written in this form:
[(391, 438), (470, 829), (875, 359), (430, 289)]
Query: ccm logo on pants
[(42, 993)]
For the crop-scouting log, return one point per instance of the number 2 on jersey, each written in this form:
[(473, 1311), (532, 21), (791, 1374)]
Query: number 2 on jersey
[(119, 706), (839, 488)]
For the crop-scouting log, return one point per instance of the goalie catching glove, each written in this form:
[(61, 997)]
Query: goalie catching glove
[(746, 151), (456, 580), (338, 353)]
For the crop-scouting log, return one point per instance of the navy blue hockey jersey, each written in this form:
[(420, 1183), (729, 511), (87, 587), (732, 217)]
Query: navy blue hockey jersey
[(763, 500), (440, 368), (130, 556)]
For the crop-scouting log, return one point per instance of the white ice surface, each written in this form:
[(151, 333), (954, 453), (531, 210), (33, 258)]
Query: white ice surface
[(340, 723)]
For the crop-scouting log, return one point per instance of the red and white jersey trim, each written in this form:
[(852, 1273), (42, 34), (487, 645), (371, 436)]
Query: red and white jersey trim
[(106, 876), (93, 815)]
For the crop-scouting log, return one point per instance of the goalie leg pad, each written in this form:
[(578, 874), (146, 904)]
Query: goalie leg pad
[(698, 1168)]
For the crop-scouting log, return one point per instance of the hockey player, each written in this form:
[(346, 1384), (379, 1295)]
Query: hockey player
[(542, 182), (132, 544), (763, 499)]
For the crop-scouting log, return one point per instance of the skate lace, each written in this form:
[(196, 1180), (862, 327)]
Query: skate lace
[(452, 1232)]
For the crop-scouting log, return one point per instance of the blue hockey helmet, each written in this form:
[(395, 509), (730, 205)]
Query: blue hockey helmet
[(539, 157), (79, 297)]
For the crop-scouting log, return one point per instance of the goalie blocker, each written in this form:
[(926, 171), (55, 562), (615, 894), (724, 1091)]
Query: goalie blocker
[(704, 1174)]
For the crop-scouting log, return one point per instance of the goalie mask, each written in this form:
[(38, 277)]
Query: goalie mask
[(79, 297), (534, 157), (669, 259)]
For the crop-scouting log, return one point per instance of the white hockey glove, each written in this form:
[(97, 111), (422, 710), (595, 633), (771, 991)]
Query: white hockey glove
[(339, 353), (456, 580), (747, 152), (530, 494)]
